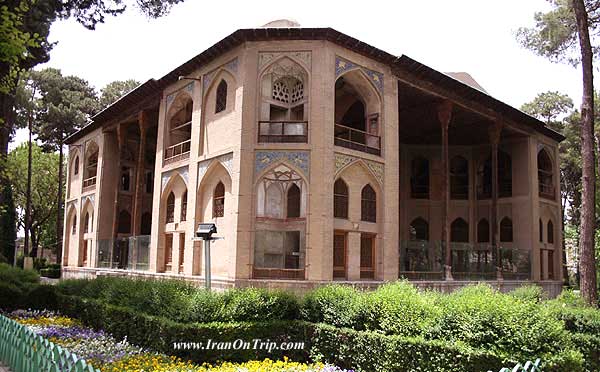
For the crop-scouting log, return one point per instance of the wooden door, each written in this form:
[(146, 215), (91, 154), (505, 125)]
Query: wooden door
[(339, 255), (367, 256)]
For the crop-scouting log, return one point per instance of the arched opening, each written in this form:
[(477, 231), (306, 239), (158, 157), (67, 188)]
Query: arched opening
[(293, 201), (91, 165), (170, 216), (221, 97), (74, 225), (459, 231), (76, 166), (284, 102), (419, 178), (86, 226), (506, 230), (219, 200), (146, 227), (368, 204), (459, 178), (340, 199), (541, 228), (357, 111), (484, 177), (419, 230), (183, 213), (180, 128), (124, 225), (550, 232), (279, 239), (545, 175), (483, 231)]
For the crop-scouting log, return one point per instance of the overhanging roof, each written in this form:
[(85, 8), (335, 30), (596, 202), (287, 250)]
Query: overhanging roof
[(152, 88)]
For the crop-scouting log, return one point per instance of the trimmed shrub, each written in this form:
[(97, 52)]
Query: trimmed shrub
[(484, 318), (41, 297), (531, 293), (205, 306), (161, 334), (11, 296), (253, 304), (589, 346), (23, 279), (338, 305), (72, 287), (50, 272), (374, 352), (399, 309)]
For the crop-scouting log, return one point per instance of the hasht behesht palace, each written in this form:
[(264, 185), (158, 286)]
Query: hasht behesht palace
[(320, 158)]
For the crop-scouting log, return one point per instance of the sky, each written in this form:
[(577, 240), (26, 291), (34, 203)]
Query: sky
[(459, 35)]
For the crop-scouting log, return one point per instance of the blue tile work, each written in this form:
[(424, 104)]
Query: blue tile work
[(166, 176), (231, 66), (299, 159), (342, 65)]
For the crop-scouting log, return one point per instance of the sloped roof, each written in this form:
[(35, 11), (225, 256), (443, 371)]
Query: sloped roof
[(459, 85)]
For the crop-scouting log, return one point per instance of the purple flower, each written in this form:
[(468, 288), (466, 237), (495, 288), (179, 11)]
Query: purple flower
[(69, 332)]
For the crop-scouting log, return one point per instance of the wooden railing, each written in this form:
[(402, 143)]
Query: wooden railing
[(177, 152), (265, 273), (89, 183), (357, 140), (546, 190), (278, 131)]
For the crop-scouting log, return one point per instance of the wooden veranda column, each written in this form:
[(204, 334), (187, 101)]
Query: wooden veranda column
[(494, 134), (139, 176), (120, 143), (444, 112)]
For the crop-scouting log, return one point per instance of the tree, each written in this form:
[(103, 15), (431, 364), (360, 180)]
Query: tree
[(64, 105), (563, 34), (548, 106), (115, 90), (44, 182)]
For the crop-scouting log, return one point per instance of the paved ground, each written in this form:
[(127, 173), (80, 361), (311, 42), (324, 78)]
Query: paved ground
[(3, 368)]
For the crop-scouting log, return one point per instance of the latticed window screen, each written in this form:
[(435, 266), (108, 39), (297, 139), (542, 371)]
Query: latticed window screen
[(221, 98), (368, 204), (184, 207), (340, 199), (171, 208), (76, 166), (219, 200)]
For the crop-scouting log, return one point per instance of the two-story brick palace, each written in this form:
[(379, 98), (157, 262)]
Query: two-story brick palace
[(320, 158)]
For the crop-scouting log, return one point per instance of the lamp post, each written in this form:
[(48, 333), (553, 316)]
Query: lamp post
[(204, 233)]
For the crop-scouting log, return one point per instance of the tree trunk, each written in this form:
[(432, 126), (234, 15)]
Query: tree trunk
[(59, 207), (28, 193), (8, 232), (587, 265)]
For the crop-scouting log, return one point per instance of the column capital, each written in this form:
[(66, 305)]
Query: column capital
[(444, 112), (494, 131)]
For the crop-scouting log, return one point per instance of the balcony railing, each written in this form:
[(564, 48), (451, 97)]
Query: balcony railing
[(424, 260), (357, 140), (546, 190), (89, 183), (267, 273), (177, 152), (276, 131)]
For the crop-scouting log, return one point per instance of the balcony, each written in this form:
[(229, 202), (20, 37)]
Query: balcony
[(357, 140), (546, 190), (277, 131), (177, 152), (89, 184)]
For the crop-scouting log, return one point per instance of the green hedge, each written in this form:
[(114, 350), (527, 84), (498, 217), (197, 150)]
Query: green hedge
[(375, 352), (160, 334)]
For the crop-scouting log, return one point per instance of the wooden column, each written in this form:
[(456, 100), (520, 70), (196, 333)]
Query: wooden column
[(444, 112), (120, 143), (494, 134), (139, 176)]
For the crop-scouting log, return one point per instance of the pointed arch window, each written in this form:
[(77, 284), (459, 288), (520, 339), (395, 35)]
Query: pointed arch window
[(74, 226), (506, 230), (419, 178), (171, 207), (76, 166), (550, 232), (484, 177), (86, 221), (340, 199), (545, 175), (483, 231), (146, 227), (221, 97), (219, 200), (419, 230), (368, 204), (183, 215), (541, 228), (459, 178), (459, 231), (293, 201)]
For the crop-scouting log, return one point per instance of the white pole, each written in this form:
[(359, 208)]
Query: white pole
[(207, 264)]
